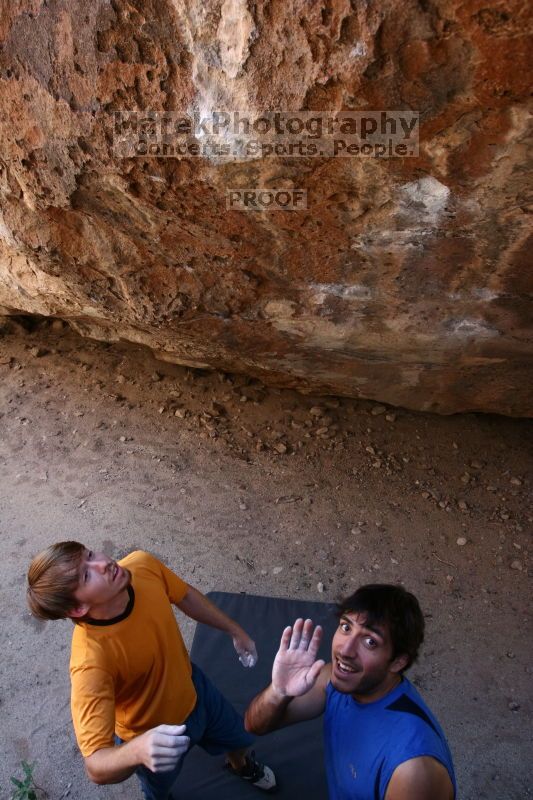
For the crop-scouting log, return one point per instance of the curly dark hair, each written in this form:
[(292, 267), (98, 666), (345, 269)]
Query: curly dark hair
[(395, 606)]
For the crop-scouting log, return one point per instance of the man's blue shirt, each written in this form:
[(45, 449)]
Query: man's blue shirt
[(365, 742)]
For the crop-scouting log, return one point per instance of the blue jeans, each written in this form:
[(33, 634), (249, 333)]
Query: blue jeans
[(213, 724)]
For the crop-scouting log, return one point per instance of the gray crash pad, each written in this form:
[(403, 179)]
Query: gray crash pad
[(294, 753)]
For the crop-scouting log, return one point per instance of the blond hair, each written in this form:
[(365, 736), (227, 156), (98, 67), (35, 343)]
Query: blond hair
[(53, 577)]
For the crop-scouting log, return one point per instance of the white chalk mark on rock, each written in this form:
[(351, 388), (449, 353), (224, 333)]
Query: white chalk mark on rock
[(235, 31), (354, 291), (427, 195)]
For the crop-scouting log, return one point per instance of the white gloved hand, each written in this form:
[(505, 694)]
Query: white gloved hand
[(246, 650), (161, 748), (248, 659)]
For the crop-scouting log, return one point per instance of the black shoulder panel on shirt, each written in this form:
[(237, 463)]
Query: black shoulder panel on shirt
[(408, 706)]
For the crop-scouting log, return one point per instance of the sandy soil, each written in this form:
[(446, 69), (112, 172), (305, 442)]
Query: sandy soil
[(241, 488)]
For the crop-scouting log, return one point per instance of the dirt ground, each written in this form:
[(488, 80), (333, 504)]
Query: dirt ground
[(242, 488)]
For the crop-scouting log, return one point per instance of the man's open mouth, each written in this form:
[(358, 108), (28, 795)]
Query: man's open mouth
[(342, 666), (114, 572)]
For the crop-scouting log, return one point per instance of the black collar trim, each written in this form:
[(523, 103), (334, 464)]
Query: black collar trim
[(127, 611)]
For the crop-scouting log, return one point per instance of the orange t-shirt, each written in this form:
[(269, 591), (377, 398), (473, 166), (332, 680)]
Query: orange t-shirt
[(135, 673)]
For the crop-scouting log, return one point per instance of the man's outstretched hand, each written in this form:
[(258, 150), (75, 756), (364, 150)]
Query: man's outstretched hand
[(297, 692), (296, 669)]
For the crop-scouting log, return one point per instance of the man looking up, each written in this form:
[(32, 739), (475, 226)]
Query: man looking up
[(381, 741), (138, 704)]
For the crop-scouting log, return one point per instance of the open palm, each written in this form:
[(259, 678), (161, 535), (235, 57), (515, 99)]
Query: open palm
[(295, 667)]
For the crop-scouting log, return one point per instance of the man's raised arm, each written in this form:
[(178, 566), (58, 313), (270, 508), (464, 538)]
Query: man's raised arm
[(197, 606), (299, 680)]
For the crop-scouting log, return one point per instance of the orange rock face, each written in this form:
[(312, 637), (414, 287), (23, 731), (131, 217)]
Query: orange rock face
[(404, 279)]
